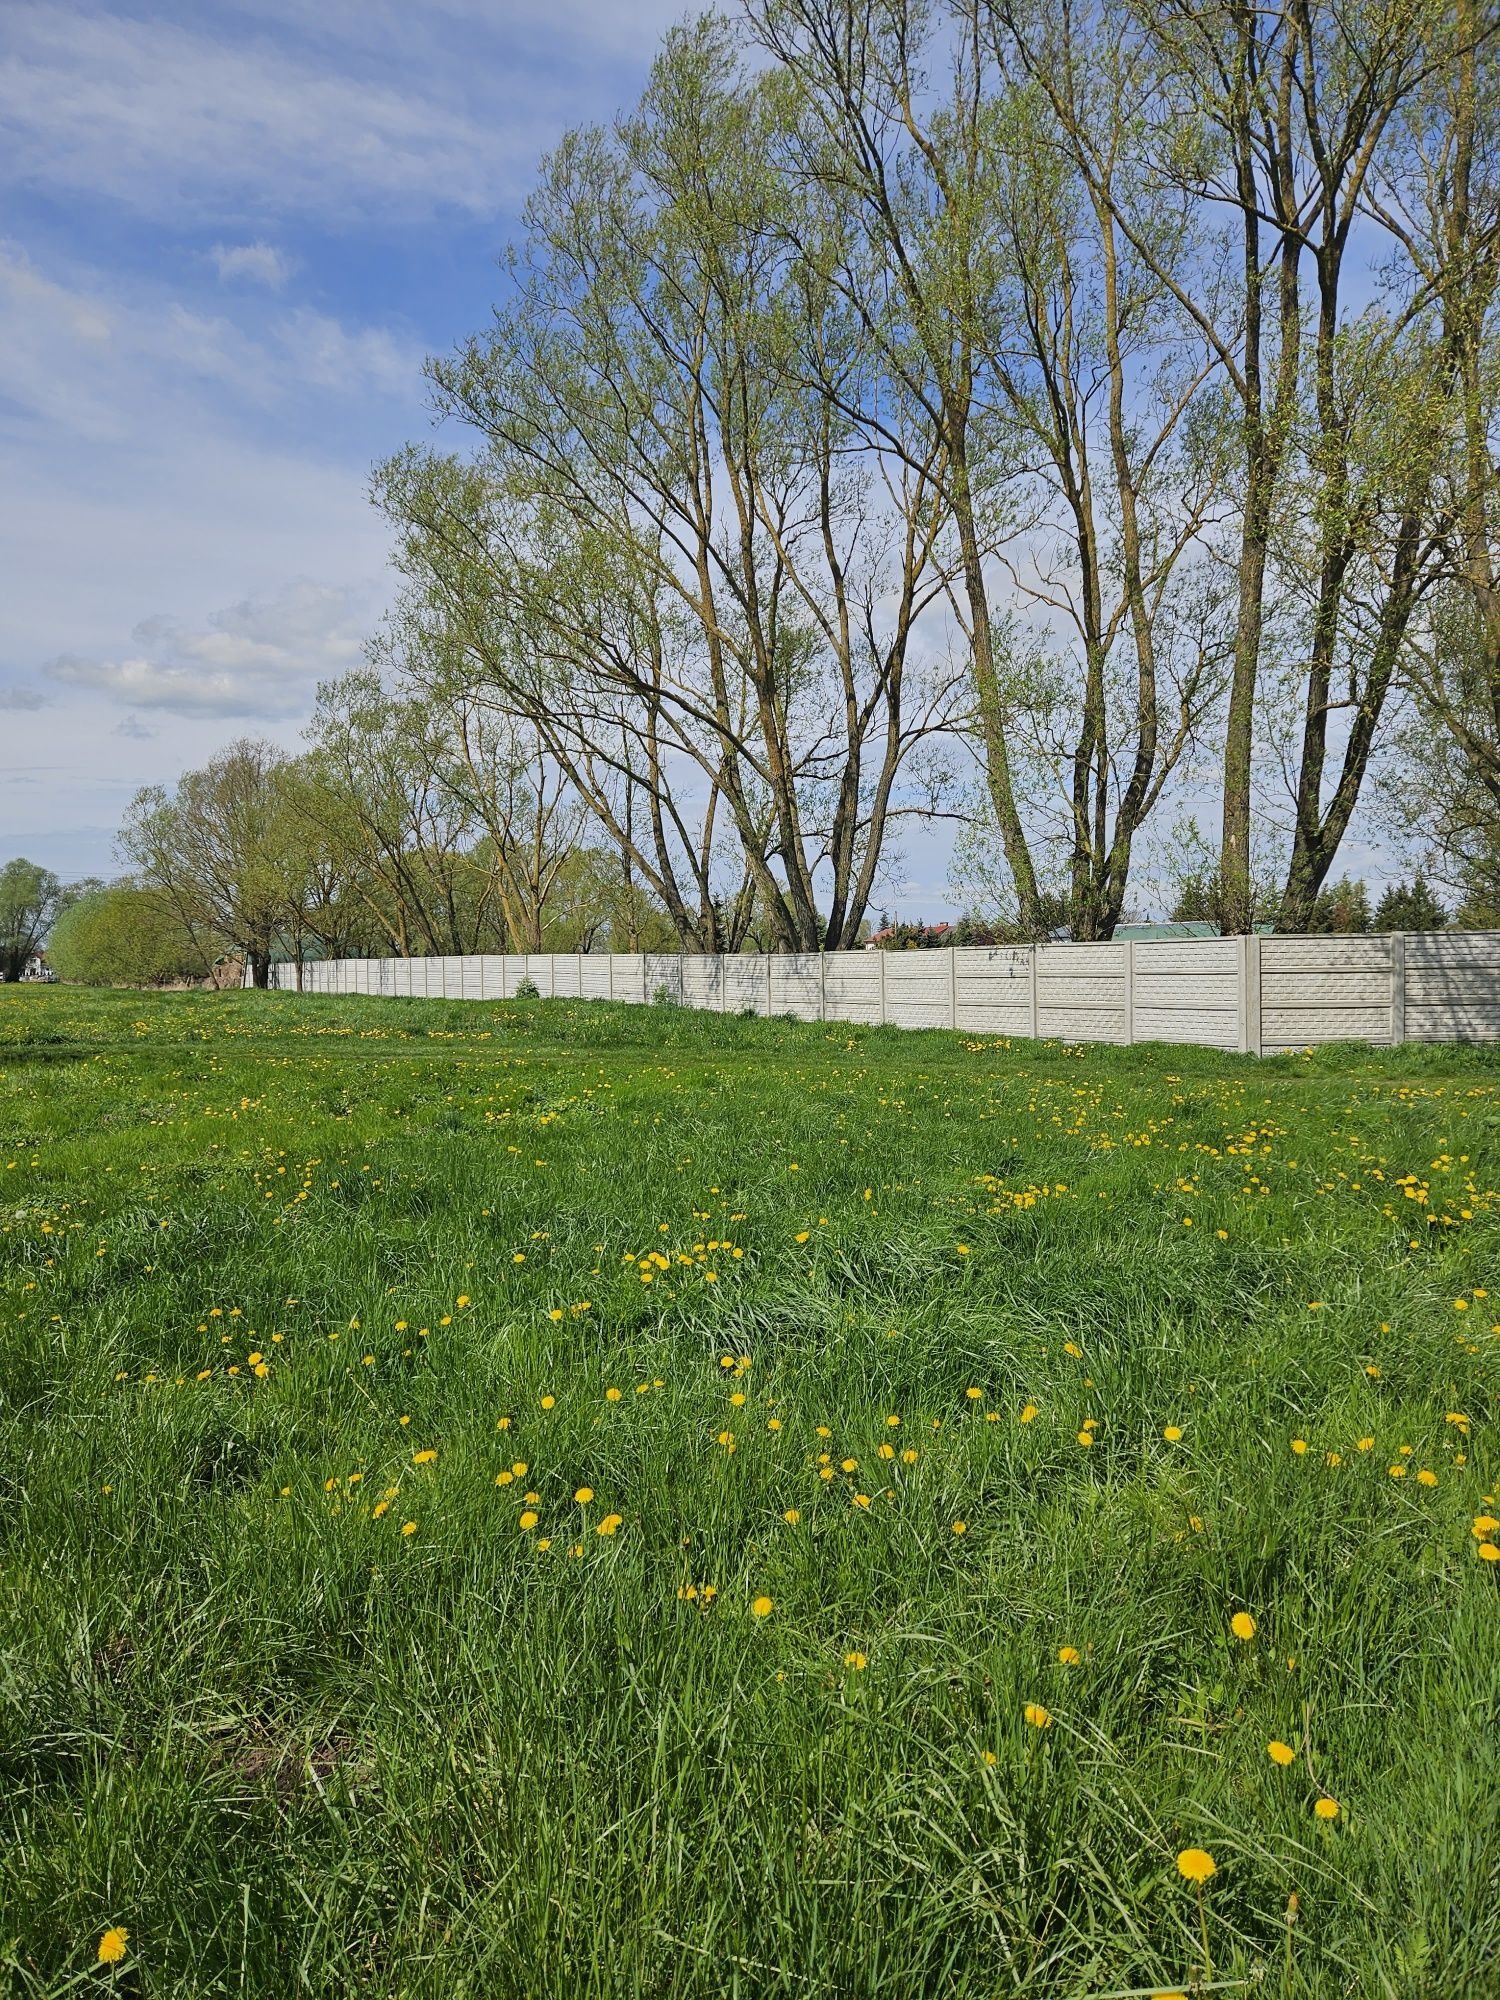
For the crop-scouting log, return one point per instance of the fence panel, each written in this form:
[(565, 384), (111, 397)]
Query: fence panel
[(918, 989), (1081, 992), (992, 989), (797, 985), (1268, 993)]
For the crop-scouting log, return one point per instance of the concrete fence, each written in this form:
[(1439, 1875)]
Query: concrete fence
[(1257, 994)]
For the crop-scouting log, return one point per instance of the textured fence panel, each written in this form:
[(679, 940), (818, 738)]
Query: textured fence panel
[(1452, 987), (992, 989), (744, 985), (1326, 990), (1080, 992), (593, 975), (797, 985), (703, 983), (918, 989), (1258, 993), (664, 974), (1186, 991), (851, 984)]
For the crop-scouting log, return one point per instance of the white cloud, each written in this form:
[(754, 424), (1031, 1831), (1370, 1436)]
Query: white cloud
[(328, 355), (260, 263), (262, 657), (102, 366), (171, 121), (22, 700)]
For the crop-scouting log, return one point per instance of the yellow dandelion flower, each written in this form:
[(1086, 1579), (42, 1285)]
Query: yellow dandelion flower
[(528, 1521), (408, 1527), (549, 1402), (973, 1394), (1488, 1552), (792, 1516), (1299, 1445), (609, 1524), (856, 1661), (1242, 1625), (584, 1495), (112, 1945), (1029, 1413), (1173, 1433), (612, 1395), (1069, 1655), (423, 1457), (1281, 1753), (1326, 1808), (761, 1607), (1037, 1716), (960, 1527), (1196, 1864)]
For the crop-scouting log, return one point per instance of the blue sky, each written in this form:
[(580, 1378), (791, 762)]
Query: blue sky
[(229, 236)]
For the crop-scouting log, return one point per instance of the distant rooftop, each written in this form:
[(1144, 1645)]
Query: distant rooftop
[(1195, 927)]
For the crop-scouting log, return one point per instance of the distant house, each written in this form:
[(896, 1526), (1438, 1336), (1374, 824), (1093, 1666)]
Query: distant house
[(36, 967)]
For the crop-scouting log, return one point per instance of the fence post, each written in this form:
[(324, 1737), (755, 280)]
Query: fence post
[(822, 986), (1398, 988), (1036, 1024), (768, 985), (1249, 984), (880, 955), (1129, 991)]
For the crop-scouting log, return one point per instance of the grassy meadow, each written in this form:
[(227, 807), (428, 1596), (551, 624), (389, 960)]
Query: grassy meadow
[(553, 1499)]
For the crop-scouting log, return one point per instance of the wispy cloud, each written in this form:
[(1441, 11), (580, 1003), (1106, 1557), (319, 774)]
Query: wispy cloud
[(100, 364), (258, 263), (260, 658), (165, 119)]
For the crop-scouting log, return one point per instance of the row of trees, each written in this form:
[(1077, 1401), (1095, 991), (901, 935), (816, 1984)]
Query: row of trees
[(402, 830), (1043, 414), (1109, 388)]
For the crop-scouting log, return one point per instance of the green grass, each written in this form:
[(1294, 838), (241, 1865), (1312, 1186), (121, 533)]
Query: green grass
[(293, 1748)]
